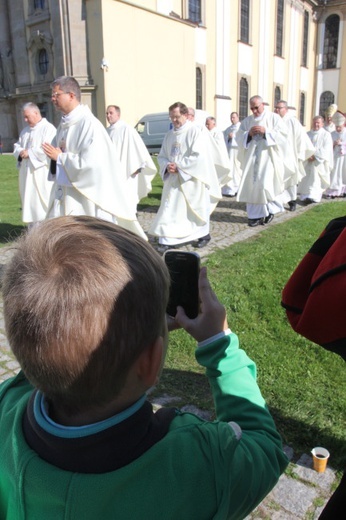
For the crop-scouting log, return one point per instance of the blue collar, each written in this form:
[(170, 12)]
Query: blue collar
[(41, 410)]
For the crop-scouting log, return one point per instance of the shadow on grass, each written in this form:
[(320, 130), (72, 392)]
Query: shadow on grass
[(193, 388), (9, 232)]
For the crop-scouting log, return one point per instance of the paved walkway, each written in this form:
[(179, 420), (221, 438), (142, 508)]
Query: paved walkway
[(301, 492)]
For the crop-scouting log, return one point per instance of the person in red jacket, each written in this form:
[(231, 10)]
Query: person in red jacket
[(314, 299)]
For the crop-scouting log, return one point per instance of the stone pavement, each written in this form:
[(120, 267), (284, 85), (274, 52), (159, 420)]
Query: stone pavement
[(301, 493)]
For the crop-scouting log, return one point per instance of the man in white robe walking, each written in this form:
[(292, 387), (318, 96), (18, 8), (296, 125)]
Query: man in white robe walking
[(137, 167), (260, 138), (319, 165), (190, 184), (337, 186), (86, 162), (231, 188), (297, 148), (33, 164), (329, 124)]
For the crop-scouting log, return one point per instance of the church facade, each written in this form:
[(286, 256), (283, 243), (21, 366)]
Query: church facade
[(145, 55)]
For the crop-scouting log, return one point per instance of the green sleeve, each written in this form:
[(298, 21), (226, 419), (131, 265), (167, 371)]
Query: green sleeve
[(249, 471)]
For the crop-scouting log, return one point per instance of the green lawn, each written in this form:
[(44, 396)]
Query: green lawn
[(303, 384), (10, 211)]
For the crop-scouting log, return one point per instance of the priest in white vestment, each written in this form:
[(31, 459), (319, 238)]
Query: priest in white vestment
[(231, 188), (214, 147), (33, 164), (190, 184), (329, 124), (337, 186), (137, 167), (86, 162), (297, 148), (260, 138), (319, 165)]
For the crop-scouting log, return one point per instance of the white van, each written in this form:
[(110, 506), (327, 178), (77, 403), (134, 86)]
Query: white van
[(152, 128)]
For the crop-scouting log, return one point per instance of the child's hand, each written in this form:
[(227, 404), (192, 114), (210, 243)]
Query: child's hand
[(212, 318)]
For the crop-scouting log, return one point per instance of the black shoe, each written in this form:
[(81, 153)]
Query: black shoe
[(162, 248), (309, 201), (292, 205), (252, 222), (202, 242), (269, 218)]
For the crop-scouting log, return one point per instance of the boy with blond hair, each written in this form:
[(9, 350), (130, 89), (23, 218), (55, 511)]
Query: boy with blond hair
[(84, 305)]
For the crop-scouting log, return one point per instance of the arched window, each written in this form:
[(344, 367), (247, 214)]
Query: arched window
[(199, 90), (305, 39), (43, 61), (279, 26), (244, 21), (326, 99), (331, 40), (243, 98), (195, 11), (277, 95), (302, 108)]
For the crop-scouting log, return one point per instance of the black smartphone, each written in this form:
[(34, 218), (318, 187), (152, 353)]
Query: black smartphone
[(184, 268)]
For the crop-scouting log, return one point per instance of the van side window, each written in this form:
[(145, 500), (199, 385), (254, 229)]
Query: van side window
[(157, 127)]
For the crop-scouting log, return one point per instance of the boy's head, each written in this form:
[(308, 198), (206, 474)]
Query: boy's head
[(83, 298)]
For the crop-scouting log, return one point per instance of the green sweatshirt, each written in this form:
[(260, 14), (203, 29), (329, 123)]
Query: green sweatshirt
[(198, 470)]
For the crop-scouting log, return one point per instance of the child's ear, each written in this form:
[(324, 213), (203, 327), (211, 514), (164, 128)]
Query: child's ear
[(150, 362)]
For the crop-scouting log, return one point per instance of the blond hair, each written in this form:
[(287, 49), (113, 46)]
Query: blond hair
[(82, 299)]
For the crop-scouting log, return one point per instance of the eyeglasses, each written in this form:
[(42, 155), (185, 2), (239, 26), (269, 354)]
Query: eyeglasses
[(279, 108), (55, 95), (177, 118), (255, 108)]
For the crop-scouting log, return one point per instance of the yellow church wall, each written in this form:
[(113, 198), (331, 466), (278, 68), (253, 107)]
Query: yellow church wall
[(156, 67)]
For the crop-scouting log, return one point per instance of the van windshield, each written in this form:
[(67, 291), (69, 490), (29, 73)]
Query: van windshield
[(140, 127)]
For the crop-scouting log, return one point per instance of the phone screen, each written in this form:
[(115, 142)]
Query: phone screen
[(183, 267)]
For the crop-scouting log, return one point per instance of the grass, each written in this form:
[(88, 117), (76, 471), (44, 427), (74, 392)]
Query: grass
[(154, 197), (11, 223), (304, 385)]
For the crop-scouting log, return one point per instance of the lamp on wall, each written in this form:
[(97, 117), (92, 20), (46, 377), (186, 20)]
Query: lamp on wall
[(104, 65)]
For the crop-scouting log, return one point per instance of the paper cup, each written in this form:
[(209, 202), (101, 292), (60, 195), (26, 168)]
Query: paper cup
[(320, 457)]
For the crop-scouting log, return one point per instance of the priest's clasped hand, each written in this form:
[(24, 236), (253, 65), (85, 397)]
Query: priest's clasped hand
[(51, 151), (172, 168)]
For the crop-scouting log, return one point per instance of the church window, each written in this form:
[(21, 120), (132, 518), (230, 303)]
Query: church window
[(279, 27), (326, 99), (38, 4), (199, 89), (195, 11), (302, 108), (244, 21), (331, 40), (277, 95), (243, 99), (43, 61), (305, 39)]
